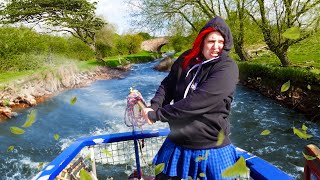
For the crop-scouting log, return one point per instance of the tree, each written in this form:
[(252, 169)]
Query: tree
[(286, 22), (133, 42), (145, 36), (236, 19), (105, 41), (74, 16), (160, 14), (164, 14)]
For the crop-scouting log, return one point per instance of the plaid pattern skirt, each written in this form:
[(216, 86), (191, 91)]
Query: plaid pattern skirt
[(204, 164)]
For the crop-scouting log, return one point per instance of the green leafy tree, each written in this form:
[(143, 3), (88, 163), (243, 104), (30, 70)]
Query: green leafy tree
[(145, 35), (286, 22), (74, 16), (133, 42), (120, 47), (105, 41)]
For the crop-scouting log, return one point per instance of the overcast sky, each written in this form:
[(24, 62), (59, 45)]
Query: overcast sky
[(115, 12)]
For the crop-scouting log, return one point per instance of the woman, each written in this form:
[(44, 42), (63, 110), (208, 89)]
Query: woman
[(201, 84)]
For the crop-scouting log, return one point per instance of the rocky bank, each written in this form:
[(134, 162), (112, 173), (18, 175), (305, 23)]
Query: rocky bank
[(29, 91)]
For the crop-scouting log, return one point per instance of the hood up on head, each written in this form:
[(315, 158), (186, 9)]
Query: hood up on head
[(219, 24)]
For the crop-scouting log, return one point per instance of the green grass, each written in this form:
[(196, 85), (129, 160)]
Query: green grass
[(143, 56), (10, 76), (7, 77), (305, 54), (88, 65)]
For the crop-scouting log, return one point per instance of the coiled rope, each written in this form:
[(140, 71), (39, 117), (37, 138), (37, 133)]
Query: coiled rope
[(133, 114)]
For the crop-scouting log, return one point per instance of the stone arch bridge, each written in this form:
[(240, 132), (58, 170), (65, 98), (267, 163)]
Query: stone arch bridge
[(155, 44)]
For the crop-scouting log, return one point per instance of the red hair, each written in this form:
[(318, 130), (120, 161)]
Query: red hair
[(197, 45)]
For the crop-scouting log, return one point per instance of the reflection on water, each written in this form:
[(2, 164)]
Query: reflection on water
[(100, 109)]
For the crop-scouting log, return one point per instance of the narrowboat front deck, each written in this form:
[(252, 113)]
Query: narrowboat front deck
[(116, 156)]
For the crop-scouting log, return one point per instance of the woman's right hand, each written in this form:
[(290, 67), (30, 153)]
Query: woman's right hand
[(145, 115)]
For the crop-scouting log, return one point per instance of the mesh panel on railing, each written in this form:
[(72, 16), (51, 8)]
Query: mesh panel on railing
[(117, 160), (123, 152)]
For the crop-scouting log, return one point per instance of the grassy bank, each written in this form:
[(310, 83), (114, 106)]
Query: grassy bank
[(57, 61), (140, 57)]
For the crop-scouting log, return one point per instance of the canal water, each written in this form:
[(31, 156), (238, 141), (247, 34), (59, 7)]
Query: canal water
[(99, 109)]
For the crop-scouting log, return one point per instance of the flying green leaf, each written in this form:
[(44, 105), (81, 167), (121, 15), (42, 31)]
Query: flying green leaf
[(40, 164), (202, 175), (265, 132), (292, 33), (84, 175), (108, 153), (309, 87), (285, 87), (16, 130), (301, 133), (304, 127), (207, 154), (159, 168), (88, 156), (10, 148), (309, 158), (220, 138), (56, 137), (31, 119), (238, 169), (200, 158), (73, 100)]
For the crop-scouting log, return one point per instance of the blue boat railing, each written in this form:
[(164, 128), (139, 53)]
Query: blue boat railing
[(136, 148)]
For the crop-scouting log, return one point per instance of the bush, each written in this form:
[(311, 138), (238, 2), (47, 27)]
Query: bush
[(282, 74)]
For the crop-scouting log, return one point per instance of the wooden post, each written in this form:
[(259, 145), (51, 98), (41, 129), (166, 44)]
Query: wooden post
[(312, 167)]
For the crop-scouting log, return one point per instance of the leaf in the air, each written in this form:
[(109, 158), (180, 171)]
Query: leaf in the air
[(16, 130), (10, 148), (88, 156), (40, 164), (220, 138), (265, 132), (207, 154), (200, 158), (309, 87), (292, 33), (304, 127), (56, 137), (202, 175), (158, 169), (73, 100), (238, 169), (31, 119), (108, 153), (84, 175), (310, 158), (285, 87), (301, 133)]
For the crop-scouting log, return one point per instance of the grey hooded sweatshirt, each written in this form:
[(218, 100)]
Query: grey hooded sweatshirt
[(201, 95)]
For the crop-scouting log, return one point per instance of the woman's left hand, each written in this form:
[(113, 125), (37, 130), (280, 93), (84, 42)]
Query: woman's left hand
[(145, 115)]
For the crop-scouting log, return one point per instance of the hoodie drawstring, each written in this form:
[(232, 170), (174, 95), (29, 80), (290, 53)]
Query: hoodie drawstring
[(194, 85)]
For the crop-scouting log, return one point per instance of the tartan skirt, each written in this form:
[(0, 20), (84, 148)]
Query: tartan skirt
[(204, 163)]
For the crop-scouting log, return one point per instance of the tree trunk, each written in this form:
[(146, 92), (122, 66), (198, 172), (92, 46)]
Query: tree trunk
[(243, 55), (282, 54), (98, 55)]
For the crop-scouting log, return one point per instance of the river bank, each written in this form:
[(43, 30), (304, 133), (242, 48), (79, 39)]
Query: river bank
[(302, 92), (32, 90)]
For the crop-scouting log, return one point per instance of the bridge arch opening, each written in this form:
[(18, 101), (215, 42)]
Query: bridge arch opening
[(159, 48)]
